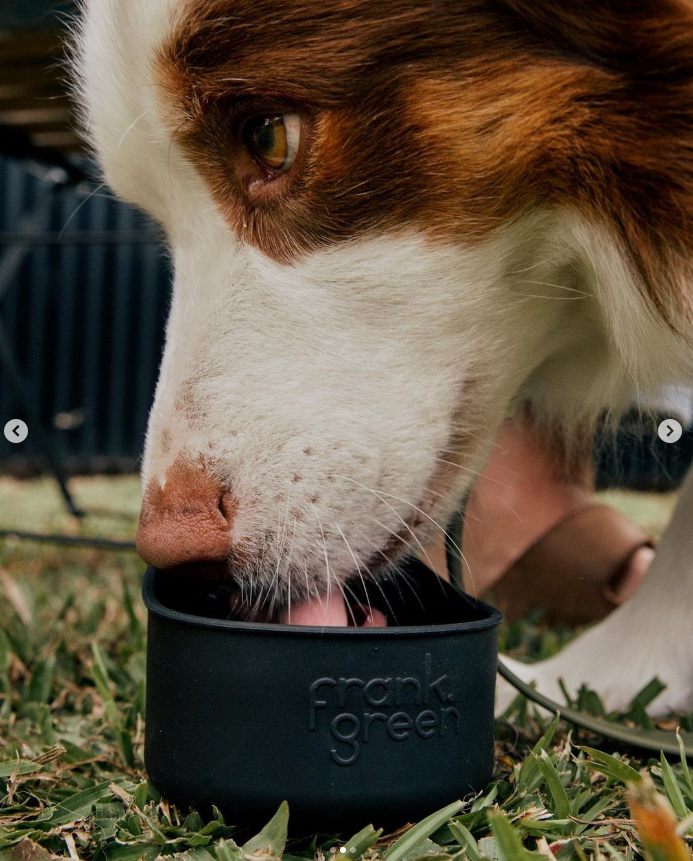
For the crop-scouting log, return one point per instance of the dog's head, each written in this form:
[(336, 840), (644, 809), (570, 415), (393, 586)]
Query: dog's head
[(390, 222)]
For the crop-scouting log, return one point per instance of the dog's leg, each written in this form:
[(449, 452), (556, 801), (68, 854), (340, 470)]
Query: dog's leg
[(651, 635)]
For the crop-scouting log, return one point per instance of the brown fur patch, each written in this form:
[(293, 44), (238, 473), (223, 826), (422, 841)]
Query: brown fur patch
[(449, 117)]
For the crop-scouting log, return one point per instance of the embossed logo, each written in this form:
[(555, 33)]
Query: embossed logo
[(396, 708)]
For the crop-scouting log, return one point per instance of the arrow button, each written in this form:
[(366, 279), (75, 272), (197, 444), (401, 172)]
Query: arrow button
[(16, 431), (670, 430)]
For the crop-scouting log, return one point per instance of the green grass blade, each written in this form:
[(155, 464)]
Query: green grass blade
[(559, 797), (271, 841), (41, 681), (466, 840), (5, 685), (509, 842), (361, 842), (197, 854), (130, 852), (25, 767), (485, 800), (78, 805), (684, 767), (649, 693), (134, 626), (103, 684), (529, 766), (227, 850), (611, 766), (401, 847), (672, 789)]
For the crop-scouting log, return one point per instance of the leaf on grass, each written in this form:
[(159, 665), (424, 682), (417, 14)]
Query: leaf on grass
[(271, 841), (5, 684), (489, 849), (559, 797), (227, 850), (529, 766), (649, 693), (193, 822), (684, 767), (509, 842), (415, 835), (136, 636), (610, 766), (103, 683), (106, 814), (541, 826), (25, 850), (7, 768), (18, 598), (130, 852), (361, 842), (432, 855), (79, 805), (465, 840), (198, 854), (484, 801), (126, 749), (41, 681), (592, 812), (656, 823), (589, 701), (426, 848), (141, 795), (672, 789)]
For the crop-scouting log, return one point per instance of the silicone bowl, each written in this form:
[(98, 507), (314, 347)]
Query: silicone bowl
[(350, 725)]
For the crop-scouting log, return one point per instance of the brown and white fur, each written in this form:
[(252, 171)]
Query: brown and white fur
[(491, 206)]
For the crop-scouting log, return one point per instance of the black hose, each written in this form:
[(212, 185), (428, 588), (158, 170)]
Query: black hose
[(653, 740), (69, 540)]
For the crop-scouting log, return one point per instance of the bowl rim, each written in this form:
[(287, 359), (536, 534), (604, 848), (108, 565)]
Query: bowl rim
[(493, 618)]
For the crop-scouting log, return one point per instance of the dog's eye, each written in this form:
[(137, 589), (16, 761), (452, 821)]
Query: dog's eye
[(273, 140)]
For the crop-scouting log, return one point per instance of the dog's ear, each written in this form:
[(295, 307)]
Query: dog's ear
[(625, 34)]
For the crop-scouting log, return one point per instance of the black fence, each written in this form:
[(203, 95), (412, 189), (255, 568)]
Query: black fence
[(33, 13), (84, 291)]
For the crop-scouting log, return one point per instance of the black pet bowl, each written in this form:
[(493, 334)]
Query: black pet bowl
[(350, 725)]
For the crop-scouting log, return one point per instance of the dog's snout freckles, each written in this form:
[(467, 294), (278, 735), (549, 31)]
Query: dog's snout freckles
[(186, 519), (326, 434)]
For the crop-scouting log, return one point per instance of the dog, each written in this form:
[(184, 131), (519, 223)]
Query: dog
[(393, 224)]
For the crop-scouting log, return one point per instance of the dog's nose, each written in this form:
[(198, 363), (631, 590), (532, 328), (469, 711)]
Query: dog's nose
[(186, 520)]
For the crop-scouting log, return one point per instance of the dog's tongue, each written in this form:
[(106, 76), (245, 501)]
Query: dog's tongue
[(330, 611)]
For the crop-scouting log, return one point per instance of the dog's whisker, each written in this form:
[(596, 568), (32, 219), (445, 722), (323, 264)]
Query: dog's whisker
[(130, 128), (394, 534), (405, 578), (558, 287), (408, 528), (454, 544), (281, 542), (524, 296), (358, 567), (79, 206), (327, 561), (381, 493)]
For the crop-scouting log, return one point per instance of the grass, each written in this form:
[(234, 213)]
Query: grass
[(72, 678)]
